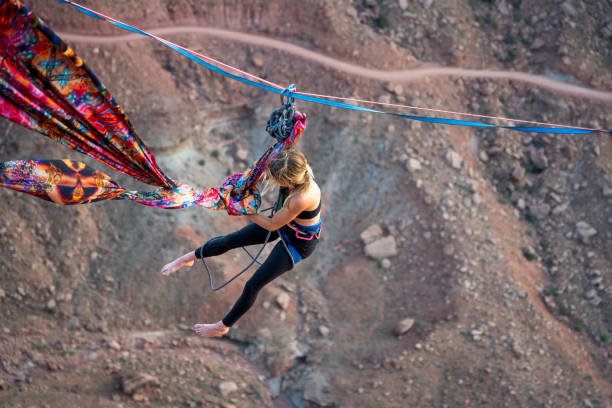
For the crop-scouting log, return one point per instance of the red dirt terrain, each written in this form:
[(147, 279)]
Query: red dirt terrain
[(457, 267)]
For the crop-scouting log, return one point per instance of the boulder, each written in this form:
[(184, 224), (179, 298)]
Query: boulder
[(453, 159), (413, 165), (316, 390), (227, 387), (136, 383), (283, 300), (585, 230), (403, 326), (382, 248), (371, 233), (538, 158)]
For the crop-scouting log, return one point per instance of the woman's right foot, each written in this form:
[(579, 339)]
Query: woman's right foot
[(176, 265), (211, 330)]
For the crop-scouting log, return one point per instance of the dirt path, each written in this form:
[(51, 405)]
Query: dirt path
[(408, 75)]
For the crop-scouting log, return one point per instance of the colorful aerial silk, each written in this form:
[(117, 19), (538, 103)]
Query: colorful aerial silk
[(45, 87)]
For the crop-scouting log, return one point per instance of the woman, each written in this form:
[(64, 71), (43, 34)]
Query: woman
[(298, 222)]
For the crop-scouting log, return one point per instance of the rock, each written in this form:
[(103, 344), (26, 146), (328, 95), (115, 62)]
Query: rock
[(539, 209), (242, 154), (403, 4), (503, 9), (282, 300), (258, 61), (595, 301), (591, 293), (371, 233), (529, 253), (50, 306), (476, 199), (280, 362), (453, 159), (607, 191), (386, 264), (274, 387), (134, 383), (568, 9), (323, 331), (395, 89), (382, 248), (316, 390), (73, 323), (537, 44), (559, 209), (403, 326), (21, 290), (585, 230), (351, 12), (476, 334), (517, 351), (538, 158), (114, 345), (518, 173), (483, 156), (227, 387), (413, 165)]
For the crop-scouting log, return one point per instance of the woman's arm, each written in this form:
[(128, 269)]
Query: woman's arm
[(282, 217)]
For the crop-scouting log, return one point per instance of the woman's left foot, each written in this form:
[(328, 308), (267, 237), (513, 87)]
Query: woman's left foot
[(176, 265), (211, 330)]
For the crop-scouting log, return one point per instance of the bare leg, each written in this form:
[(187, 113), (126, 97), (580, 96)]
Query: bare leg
[(178, 263), (211, 330)]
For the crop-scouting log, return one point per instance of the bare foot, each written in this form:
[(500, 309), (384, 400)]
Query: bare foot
[(183, 261), (211, 330)]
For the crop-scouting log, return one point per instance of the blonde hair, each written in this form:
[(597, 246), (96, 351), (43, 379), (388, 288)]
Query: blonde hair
[(290, 167)]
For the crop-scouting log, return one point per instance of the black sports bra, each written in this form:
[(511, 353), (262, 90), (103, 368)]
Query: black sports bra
[(305, 215)]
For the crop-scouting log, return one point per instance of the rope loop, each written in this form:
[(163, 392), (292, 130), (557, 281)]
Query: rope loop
[(287, 93), (281, 121)]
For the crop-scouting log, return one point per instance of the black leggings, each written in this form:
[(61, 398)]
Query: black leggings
[(275, 265)]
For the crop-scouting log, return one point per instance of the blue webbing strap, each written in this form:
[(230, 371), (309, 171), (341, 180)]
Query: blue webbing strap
[(289, 92)]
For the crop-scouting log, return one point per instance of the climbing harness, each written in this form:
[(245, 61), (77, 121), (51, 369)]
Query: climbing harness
[(307, 233)]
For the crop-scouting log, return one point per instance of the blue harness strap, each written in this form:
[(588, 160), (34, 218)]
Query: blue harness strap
[(295, 255)]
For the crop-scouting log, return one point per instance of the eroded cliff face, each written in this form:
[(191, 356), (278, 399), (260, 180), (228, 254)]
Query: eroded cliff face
[(477, 236)]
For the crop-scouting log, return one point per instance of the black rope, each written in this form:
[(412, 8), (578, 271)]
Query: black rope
[(281, 121), (210, 282)]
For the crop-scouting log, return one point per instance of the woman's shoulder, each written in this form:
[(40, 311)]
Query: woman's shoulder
[(308, 198)]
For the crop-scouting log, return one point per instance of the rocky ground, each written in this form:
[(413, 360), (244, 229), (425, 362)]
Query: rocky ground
[(458, 267)]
